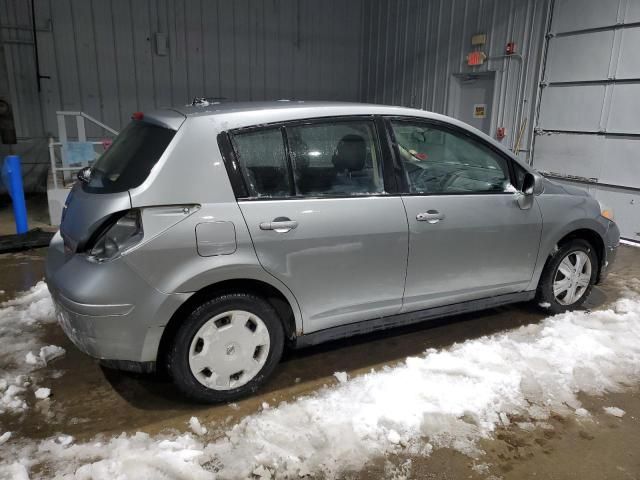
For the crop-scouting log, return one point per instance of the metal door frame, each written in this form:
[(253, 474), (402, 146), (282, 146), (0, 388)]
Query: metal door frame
[(455, 90)]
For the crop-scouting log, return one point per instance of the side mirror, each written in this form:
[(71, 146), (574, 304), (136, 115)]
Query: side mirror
[(84, 175), (525, 199), (528, 184)]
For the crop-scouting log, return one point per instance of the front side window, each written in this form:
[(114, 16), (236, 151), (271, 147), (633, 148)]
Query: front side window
[(263, 162), (338, 158), (439, 161)]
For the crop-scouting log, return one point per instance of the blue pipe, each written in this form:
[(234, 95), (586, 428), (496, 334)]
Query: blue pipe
[(12, 174)]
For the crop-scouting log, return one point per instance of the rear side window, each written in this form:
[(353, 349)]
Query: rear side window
[(338, 158), (127, 163), (263, 162)]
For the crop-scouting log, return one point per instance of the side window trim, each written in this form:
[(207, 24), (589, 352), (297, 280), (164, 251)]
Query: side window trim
[(231, 164), (391, 170), (241, 190), (401, 178), (287, 154)]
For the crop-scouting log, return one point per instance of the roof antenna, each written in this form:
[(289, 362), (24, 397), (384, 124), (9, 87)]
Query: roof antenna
[(204, 101), (199, 101)]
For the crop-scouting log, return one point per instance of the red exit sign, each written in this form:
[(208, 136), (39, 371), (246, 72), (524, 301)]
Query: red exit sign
[(476, 58)]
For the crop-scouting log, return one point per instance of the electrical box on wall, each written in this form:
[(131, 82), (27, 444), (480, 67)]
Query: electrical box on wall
[(161, 44), (479, 39)]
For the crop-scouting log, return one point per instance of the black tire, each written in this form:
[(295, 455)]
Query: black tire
[(178, 354), (545, 297)]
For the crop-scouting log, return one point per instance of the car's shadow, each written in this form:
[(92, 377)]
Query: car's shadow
[(351, 354)]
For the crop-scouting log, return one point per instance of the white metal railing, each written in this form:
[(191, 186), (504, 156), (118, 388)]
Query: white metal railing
[(63, 138)]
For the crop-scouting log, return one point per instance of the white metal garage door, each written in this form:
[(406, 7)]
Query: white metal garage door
[(588, 128)]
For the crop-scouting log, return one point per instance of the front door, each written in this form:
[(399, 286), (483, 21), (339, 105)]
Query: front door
[(468, 237), (320, 219)]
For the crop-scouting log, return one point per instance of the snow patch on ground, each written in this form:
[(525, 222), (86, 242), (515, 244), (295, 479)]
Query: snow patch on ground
[(5, 437), (42, 393), (20, 321), (444, 398), (342, 377), (615, 411), (196, 427), (48, 353)]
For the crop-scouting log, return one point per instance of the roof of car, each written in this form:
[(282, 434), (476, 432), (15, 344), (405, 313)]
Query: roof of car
[(241, 114), (217, 107)]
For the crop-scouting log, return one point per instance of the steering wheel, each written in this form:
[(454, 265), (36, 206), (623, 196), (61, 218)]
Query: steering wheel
[(449, 180), (422, 180)]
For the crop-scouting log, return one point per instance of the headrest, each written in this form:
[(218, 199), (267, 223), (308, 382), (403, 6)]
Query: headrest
[(350, 154)]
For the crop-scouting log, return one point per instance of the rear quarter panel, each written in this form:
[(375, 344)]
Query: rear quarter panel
[(193, 173)]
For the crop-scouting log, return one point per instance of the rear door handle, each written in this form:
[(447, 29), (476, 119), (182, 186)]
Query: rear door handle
[(430, 216), (279, 225)]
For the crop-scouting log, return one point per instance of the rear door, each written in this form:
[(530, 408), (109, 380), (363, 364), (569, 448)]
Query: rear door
[(468, 237), (321, 219)]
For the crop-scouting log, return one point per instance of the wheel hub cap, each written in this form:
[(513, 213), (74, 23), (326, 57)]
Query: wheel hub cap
[(229, 350), (572, 278)]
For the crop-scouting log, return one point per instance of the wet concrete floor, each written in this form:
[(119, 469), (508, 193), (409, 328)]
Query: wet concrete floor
[(90, 400)]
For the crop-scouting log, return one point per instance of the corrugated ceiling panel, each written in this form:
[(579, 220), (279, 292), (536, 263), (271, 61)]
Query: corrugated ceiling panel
[(572, 108), (570, 154), (632, 13), (629, 61), (611, 160), (579, 57), (623, 113), (571, 15)]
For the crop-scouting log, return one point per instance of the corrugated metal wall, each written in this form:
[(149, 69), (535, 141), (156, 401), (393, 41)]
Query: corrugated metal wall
[(413, 48), (102, 59)]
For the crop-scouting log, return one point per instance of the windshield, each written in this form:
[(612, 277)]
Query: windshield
[(127, 163)]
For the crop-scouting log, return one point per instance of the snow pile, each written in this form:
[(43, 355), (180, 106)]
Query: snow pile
[(615, 411), (196, 427), (446, 398), (48, 353), (42, 393), (342, 377), (20, 320), (124, 457)]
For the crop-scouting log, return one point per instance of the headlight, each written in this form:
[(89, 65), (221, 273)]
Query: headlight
[(118, 238), (605, 211)]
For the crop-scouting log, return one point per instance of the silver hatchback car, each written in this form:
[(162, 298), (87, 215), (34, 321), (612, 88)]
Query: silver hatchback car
[(208, 238)]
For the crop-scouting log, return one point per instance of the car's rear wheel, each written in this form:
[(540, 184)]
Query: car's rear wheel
[(568, 277), (226, 348)]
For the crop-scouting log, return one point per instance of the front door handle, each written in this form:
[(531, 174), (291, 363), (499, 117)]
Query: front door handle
[(279, 225), (431, 216)]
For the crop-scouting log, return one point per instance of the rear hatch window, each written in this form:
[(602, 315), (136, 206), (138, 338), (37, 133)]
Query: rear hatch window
[(127, 163)]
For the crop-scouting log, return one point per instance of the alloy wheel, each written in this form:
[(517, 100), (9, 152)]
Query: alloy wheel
[(572, 278)]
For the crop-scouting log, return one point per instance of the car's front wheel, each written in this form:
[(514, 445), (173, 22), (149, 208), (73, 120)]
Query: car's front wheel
[(568, 277), (226, 348)]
